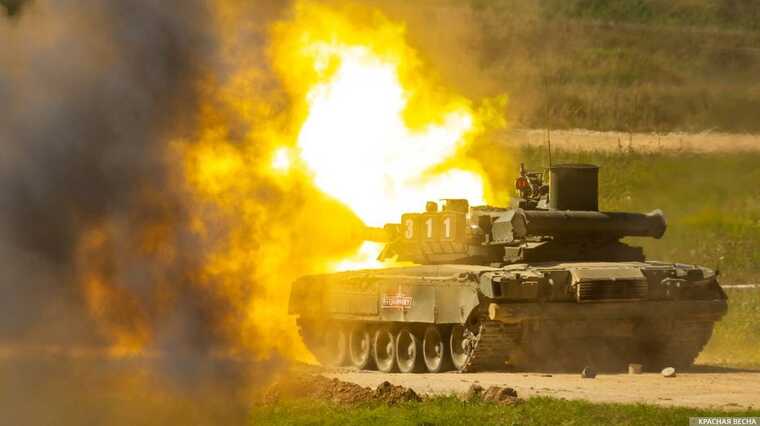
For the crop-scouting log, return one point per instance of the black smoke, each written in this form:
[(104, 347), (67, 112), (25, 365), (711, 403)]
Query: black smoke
[(94, 95), (91, 91)]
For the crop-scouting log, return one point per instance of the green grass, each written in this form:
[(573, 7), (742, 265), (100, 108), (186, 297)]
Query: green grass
[(736, 338), (742, 14), (451, 411)]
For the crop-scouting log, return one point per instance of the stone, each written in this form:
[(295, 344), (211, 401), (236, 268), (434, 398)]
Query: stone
[(502, 395), (474, 392), (588, 373), (668, 372)]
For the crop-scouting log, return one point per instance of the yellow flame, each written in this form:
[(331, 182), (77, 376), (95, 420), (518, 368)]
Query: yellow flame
[(281, 160), (377, 133), (362, 152)]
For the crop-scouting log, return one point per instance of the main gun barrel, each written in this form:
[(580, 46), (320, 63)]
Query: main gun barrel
[(561, 223), (377, 235)]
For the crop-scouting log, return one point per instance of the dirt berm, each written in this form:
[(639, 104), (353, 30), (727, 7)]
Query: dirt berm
[(320, 387)]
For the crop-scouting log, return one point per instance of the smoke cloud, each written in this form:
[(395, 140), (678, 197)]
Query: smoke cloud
[(97, 248)]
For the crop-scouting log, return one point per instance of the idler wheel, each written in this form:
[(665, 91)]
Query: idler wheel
[(384, 350), (409, 352), (334, 351), (460, 346), (434, 349), (360, 348)]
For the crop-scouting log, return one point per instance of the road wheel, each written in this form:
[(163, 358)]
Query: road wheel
[(384, 350), (334, 348), (459, 345), (434, 349), (360, 348), (409, 352)]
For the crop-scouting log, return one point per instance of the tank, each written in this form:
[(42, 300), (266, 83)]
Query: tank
[(548, 283)]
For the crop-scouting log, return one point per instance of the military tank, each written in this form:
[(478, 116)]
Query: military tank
[(547, 283)]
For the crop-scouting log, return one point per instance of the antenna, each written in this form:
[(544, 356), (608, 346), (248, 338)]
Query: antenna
[(546, 117), (717, 267)]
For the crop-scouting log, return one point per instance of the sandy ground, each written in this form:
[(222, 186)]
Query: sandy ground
[(588, 140), (703, 387)]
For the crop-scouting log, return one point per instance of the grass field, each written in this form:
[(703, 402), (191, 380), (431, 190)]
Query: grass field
[(627, 65), (650, 65), (451, 411)]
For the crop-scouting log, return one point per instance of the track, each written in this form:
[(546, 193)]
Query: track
[(494, 341), (701, 387)]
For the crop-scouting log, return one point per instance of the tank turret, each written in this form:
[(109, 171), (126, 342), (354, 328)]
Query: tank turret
[(559, 222)]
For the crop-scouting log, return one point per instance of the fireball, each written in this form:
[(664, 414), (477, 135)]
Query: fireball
[(377, 133)]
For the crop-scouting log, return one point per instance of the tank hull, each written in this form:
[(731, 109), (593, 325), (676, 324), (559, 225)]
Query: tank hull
[(528, 316)]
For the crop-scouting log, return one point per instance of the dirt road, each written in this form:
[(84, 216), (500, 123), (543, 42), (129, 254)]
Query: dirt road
[(588, 140), (703, 387)]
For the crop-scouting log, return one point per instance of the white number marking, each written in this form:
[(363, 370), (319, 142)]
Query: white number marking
[(409, 231), (447, 227)]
